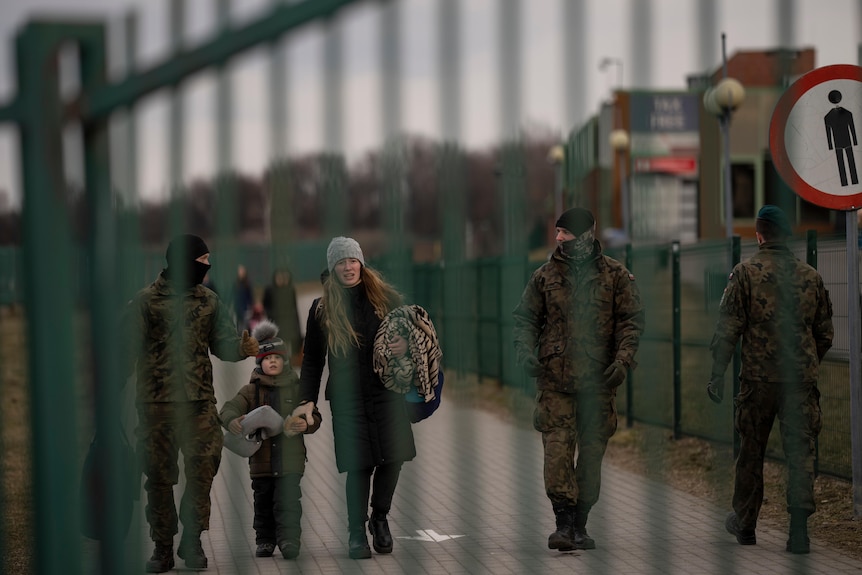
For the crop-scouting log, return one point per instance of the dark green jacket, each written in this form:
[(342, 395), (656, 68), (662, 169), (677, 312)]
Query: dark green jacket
[(781, 309), (578, 320), (171, 336)]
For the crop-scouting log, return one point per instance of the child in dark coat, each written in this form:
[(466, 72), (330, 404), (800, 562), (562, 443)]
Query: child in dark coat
[(277, 466)]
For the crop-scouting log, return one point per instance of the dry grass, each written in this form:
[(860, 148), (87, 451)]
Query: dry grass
[(17, 480)]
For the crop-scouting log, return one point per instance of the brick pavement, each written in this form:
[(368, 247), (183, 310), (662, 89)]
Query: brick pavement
[(473, 502)]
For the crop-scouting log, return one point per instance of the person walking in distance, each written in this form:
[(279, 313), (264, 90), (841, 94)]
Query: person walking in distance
[(780, 308), (577, 329), (172, 327)]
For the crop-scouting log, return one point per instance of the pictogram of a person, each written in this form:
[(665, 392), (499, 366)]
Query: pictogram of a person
[(841, 135)]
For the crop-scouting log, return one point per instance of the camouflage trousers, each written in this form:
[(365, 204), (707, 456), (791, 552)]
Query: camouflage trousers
[(574, 424), (797, 406), (165, 429)]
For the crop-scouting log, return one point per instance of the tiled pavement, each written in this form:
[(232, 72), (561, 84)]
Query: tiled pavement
[(473, 502)]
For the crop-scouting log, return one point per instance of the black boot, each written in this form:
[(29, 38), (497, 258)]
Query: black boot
[(162, 559), (561, 539), (191, 552), (743, 536), (798, 542), (580, 537), (381, 538), (358, 543)]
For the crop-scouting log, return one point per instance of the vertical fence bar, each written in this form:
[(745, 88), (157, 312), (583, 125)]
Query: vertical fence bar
[(105, 303), (630, 386), (47, 255), (677, 340), (573, 30), (176, 122), (449, 69), (853, 344), (811, 259), (509, 42), (735, 255)]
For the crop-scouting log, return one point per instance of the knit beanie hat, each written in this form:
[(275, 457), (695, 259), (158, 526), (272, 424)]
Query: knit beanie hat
[(266, 334), (341, 248), (185, 248), (576, 220), (775, 216)]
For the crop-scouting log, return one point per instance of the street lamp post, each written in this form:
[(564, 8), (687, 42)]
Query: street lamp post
[(620, 142), (556, 156), (608, 61), (721, 101)]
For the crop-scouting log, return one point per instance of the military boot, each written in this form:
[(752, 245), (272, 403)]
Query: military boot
[(561, 539), (580, 537), (798, 543), (192, 553), (743, 536), (162, 559)]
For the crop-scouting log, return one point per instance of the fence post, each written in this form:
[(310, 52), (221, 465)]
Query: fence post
[(811, 259), (735, 251), (629, 383), (677, 339)]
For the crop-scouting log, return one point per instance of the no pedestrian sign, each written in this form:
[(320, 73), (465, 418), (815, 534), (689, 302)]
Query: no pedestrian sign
[(814, 137)]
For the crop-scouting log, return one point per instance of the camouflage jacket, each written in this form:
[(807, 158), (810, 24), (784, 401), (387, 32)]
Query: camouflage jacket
[(578, 320), (170, 338), (280, 454), (782, 311)]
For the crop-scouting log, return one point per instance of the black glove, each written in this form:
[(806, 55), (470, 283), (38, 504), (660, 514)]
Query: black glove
[(715, 389), (532, 366), (615, 374)]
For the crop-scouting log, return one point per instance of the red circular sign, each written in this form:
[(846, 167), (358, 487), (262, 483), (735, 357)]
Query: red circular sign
[(814, 164)]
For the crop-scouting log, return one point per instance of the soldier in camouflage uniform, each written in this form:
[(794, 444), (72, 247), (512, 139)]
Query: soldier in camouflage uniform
[(781, 309), (577, 329), (173, 325)]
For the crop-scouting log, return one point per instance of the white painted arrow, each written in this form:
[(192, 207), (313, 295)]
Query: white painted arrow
[(430, 535)]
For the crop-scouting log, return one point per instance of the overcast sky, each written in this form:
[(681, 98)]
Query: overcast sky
[(830, 26)]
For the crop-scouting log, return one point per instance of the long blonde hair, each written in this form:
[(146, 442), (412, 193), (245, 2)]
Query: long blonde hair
[(334, 314)]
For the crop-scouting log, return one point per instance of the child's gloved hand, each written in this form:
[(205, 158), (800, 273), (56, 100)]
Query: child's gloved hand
[(294, 425), (235, 426)]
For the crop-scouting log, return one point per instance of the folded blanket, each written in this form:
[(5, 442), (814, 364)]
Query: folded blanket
[(419, 368)]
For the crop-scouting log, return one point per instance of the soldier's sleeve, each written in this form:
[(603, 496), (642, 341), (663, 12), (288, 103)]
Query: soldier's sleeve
[(731, 321), (629, 318), (225, 342), (132, 332), (822, 328), (529, 316)]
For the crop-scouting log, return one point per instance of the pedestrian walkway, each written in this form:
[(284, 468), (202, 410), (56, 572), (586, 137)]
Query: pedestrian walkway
[(473, 502)]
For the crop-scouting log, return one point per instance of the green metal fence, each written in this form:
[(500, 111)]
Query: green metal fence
[(72, 287)]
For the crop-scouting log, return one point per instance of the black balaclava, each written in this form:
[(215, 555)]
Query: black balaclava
[(181, 255), (580, 223)]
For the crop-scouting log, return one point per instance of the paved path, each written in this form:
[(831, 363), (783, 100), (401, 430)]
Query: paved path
[(473, 502)]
